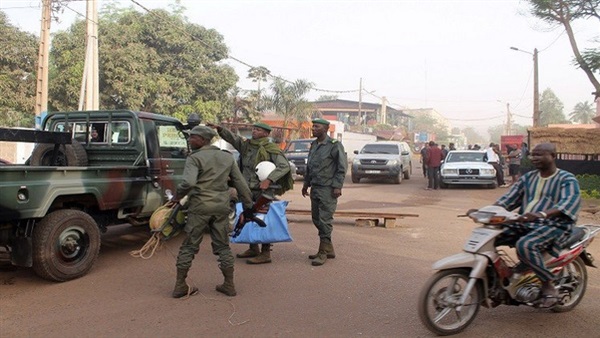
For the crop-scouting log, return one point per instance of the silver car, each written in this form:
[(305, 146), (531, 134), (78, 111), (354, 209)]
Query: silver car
[(467, 167), (384, 159)]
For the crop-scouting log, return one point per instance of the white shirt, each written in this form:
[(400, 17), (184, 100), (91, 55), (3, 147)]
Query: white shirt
[(491, 155)]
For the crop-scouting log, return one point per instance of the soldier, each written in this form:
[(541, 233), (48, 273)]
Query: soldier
[(252, 152), (325, 173), (205, 178)]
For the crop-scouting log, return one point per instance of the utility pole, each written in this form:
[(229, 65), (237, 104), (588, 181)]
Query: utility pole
[(41, 96), (360, 102), (508, 127), (536, 90), (90, 87), (383, 110)]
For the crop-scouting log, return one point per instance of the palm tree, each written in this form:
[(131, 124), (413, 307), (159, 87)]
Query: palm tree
[(288, 100), (582, 113)]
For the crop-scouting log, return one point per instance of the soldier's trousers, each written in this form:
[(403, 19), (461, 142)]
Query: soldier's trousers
[(322, 207), (195, 227)]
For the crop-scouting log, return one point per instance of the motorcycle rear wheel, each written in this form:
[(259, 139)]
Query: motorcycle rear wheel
[(439, 300), (573, 283)]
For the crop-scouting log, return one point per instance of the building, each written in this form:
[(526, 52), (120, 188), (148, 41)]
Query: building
[(355, 114)]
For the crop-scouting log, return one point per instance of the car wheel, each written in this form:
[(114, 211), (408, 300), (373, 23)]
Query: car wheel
[(355, 179), (408, 172), (443, 185), (398, 179)]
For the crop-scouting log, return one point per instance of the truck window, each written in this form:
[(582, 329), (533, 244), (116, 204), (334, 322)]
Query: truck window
[(172, 143), (120, 132)]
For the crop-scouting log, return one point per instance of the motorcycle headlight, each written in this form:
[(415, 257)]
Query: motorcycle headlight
[(448, 172)]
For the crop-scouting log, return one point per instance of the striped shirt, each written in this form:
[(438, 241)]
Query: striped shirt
[(533, 193)]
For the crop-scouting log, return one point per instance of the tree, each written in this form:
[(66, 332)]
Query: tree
[(551, 109), (288, 100), (472, 136), (327, 98), (258, 74), (563, 12), (18, 60), (426, 123), (583, 112), (154, 61)]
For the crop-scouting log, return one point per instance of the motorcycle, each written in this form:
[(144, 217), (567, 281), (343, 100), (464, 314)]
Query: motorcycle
[(484, 275)]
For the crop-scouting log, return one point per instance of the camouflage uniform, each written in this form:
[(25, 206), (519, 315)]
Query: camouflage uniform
[(206, 175), (325, 171), (248, 158)]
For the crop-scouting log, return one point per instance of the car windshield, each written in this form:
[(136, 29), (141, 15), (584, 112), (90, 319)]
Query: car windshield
[(380, 149), (465, 157), (298, 147)]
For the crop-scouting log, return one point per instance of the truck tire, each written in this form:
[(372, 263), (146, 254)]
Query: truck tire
[(72, 155), (66, 244)]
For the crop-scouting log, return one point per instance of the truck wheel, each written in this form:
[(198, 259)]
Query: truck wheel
[(66, 244), (67, 155), (408, 172)]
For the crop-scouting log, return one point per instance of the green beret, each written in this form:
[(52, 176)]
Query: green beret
[(203, 131), (321, 121), (263, 126)]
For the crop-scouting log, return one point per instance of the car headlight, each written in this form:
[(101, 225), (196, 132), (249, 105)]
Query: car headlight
[(449, 172), (392, 162), (356, 161), (488, 172)]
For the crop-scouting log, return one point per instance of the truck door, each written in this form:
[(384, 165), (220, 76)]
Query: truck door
[(167, 152)]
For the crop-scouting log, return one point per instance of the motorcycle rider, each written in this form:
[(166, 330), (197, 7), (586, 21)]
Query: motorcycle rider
[(548, 200)]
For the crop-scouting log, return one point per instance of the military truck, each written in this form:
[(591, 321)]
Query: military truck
[(88, 171)]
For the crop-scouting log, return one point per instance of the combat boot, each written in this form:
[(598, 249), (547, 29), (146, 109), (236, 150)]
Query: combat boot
[(264, 257), (253, 251), (330, 254), (181, 288), (227, 287), (324, 248)]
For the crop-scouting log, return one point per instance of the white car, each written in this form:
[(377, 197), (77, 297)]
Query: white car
[(467, 167)]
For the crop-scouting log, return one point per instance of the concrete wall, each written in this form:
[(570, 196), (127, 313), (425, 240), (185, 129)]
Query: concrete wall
[(16, 152)]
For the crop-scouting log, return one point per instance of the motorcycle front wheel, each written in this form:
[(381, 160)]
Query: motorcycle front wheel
[(440, 309)]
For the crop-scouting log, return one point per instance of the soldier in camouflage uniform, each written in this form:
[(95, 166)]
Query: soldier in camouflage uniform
[(252, 152), (205, 179), (325, 173)]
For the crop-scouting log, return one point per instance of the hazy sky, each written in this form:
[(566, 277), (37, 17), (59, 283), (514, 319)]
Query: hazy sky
[(453, 56)]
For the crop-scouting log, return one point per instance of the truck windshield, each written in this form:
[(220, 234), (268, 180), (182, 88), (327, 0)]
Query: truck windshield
[(380, 149)]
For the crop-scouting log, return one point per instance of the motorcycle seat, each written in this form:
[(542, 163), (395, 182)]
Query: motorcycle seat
[(576, 234)]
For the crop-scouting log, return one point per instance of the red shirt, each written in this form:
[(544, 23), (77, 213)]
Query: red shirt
[(434, 156)]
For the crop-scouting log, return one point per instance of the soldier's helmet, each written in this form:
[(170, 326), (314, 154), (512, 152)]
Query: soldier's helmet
[(263, 169)]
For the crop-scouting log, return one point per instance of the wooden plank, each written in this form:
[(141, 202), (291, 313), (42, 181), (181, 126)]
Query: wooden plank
[(358, 214)]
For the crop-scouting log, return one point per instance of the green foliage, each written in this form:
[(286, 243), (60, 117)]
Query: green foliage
[(427, 123), (289, 99), (583, 112), (589, 186), (551, 109), (18, 60), (155, 61)]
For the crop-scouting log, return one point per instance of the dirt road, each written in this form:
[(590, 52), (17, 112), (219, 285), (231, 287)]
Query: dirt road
[(369, 290)]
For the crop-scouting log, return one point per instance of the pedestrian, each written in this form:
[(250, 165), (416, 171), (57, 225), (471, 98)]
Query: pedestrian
[(451, 146), (424, 159), (325, 173), (514, 162), (434, 161), (444, 151), (206, 178), (476, 147), (494, 160), (253, 151), (549, 200)]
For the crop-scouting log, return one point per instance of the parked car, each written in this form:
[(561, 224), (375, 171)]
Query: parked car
[(296, 152), (467, 167), (384, 159)]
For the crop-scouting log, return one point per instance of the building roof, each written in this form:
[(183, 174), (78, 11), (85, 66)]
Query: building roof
[(348, 105)]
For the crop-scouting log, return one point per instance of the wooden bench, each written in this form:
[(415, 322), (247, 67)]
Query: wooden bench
[(363, 218)]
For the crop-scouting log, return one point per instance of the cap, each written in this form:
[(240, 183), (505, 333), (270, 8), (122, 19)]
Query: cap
[(321, 121), (203, 131), (263, 126)]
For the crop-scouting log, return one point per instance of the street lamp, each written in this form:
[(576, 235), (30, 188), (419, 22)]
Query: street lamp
[(536, 91)]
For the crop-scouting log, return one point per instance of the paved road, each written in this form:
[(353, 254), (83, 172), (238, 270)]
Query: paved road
[(369, 290)]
